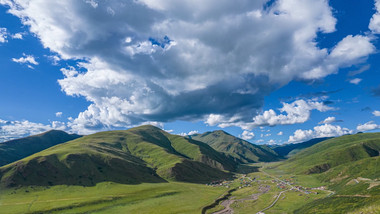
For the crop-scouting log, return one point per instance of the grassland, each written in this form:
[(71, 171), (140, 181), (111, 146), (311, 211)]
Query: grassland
[(349, 166), (108, 197), (142, 171)]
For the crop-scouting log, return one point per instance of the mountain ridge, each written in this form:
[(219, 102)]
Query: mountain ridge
[(241, 150), (141, 154), (17, 149)]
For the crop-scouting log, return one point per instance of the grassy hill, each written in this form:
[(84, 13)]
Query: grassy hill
[(334, 152), (241, 150), (139, 155), (14, 150), (348, 165), (291, 149)]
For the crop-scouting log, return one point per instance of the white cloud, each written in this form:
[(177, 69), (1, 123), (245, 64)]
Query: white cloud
[(55, 60), (93, 3), (171, 68), (17, 129), (359, 71), (355, 81), (371, 125), (3, 35), (189, 133), (271, 142), (247, 135), (58, 114), (298, 111), (376, 113), (328, 120), (260, 141), (17, 36), (29, 60), (326, 130), (374, 24), (280, 133)]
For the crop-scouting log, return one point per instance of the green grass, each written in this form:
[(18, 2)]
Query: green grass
[(142, 154), (339, 205), (15, 150), (353, 165), (110, 197), (239, 149), (334, 152)]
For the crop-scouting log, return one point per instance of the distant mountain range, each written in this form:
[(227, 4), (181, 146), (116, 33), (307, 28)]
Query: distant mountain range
[(14, 150), (287, 150), (348, 165), (241, 150)]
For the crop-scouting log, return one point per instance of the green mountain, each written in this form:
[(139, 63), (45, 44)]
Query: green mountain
[(241, 150), (14, 150), (291, 149), (348, 165), (142, 154), (334, 152)]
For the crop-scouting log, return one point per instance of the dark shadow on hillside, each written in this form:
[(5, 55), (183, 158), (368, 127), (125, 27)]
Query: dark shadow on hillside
[(245, 169), (77, 169), (197, 172)]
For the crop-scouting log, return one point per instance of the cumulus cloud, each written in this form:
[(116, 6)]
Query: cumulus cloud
[(280, 133), (189, 133), (371, 125), (17, 36), (190, 60), (3, 35), (29, 60), (54, 59), (298, 111), (329, 120), (355, 81), (260, 141), (17, 129), (58, 114), (247, 135), (374, 24), (326, 130), (376, 113)]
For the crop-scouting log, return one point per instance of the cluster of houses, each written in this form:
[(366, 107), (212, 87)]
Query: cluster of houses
[(220, 183)]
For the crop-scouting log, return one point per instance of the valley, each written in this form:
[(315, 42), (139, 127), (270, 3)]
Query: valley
[(146, 170)]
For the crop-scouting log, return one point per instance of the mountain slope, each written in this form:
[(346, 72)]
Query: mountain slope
[(334, 152), (141, 154), (291, 149), (347, 165), (14, 150), (239, 149)]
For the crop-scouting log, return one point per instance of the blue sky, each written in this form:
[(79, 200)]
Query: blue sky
[(283, 73)]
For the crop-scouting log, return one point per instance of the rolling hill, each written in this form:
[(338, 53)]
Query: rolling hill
[(241, 150), (14, 150), (334, 152), (139, 155), (348, 165), (291, 149)]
